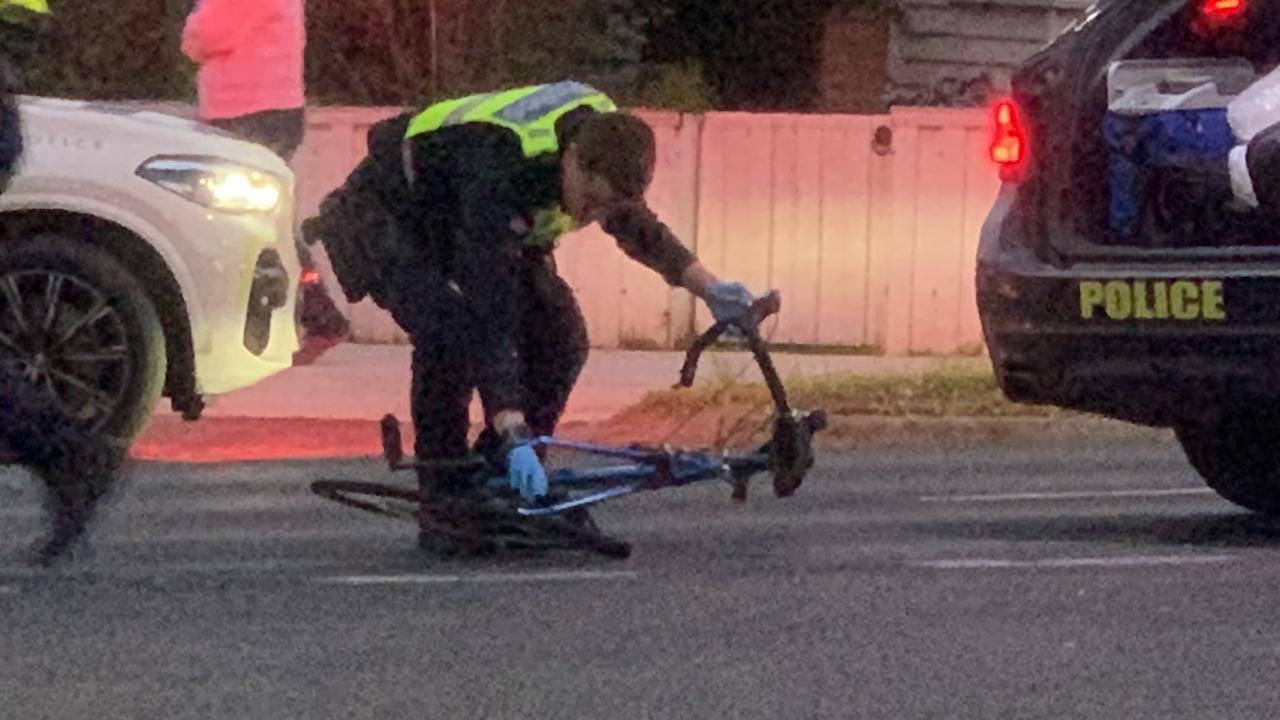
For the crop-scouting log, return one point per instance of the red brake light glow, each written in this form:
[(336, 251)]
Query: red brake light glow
[(1223, 8), (1009, 147)]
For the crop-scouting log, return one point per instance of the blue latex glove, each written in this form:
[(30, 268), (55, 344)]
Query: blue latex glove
[(525, 474), (729, 301)]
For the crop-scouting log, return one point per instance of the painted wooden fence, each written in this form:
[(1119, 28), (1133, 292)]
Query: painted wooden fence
[(871, 245)]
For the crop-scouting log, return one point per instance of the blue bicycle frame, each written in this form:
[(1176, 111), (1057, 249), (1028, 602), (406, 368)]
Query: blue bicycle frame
[(649, 470)]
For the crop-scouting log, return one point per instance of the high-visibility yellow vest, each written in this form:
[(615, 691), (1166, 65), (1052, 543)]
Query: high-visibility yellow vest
[(530, 112), (17, 10)]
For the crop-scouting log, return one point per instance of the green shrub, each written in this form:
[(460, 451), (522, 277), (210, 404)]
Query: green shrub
[(122, 49), (675, 86)]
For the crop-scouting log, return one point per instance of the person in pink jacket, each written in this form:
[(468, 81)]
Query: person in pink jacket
[(250, 84), (250, 54)]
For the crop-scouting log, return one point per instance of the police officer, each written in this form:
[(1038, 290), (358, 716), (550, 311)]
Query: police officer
[(76, 467), (479, 189)]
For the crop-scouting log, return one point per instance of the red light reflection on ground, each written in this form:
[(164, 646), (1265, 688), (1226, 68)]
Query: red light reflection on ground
[(213, 440)]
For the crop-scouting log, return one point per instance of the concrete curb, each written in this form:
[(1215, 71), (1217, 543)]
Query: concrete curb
[(248, 439), (844, 431), (858, 431)]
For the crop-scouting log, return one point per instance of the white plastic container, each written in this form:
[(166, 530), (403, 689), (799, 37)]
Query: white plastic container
[(1257, 108), (1241, 178)]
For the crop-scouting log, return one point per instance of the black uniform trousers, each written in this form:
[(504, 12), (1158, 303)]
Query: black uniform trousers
[(553, 349)]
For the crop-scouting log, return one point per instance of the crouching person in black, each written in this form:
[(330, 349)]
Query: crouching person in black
[(76, 466), (450, 223)]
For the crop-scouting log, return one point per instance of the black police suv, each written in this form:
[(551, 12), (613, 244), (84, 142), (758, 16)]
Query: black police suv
[(1127, 269)]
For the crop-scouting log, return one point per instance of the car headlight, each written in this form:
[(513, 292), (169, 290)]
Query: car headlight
[(216, 184)]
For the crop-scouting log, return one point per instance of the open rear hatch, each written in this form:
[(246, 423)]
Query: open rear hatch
[(1133, 143)]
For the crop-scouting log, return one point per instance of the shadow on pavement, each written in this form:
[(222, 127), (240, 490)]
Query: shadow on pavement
[(1208, 529)]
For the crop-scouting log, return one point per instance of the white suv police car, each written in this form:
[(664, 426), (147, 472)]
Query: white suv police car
[(142, 254)]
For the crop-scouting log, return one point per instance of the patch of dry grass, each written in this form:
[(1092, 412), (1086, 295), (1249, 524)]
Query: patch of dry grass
[(962, 388)]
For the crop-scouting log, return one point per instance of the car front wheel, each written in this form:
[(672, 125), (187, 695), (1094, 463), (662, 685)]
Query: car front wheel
[(78, 324)]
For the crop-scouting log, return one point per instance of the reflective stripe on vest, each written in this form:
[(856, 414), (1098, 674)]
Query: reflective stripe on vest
[(20, 12), (36, 6), (530, 112)]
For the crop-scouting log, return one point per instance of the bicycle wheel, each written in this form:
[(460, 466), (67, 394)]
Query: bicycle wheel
[(378, 498)]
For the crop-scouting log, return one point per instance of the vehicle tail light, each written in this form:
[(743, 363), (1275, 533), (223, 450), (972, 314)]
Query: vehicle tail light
[(310, 277), (1223, 8), (1009, 149)]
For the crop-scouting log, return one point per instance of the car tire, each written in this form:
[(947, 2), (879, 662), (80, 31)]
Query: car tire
[(84, 329), (1237, 456)]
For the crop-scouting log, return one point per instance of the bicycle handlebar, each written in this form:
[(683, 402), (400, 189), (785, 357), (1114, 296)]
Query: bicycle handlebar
[(790, 449), (762, 308)]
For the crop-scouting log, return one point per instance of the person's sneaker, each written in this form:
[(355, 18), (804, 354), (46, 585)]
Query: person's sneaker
[(69, 521), (474, 523), (452, 524), (434, 542)]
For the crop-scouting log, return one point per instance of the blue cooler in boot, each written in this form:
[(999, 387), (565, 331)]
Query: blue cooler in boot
[(1165, 115)]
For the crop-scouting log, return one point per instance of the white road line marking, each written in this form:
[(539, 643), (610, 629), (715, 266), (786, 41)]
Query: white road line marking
[(1058, 563), (1080, 495), (531, 577), (124, 537), (242, 506), (9, 590), (142, 568)]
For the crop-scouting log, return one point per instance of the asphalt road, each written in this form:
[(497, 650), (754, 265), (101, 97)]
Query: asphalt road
[(905, 583)]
